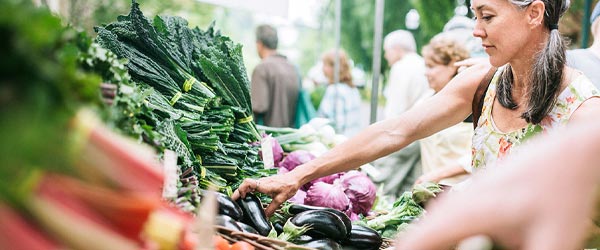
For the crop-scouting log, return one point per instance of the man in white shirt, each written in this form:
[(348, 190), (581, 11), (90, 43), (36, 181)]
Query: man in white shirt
[(407, 82), (406, 85)]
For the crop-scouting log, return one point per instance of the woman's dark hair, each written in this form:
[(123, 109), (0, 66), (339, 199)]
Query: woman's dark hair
[(547, 71)]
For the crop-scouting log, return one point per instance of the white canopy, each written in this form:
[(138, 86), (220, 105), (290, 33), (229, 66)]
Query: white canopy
[(270, 7)]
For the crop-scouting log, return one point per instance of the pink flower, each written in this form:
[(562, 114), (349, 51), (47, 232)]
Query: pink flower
[(504, 147)]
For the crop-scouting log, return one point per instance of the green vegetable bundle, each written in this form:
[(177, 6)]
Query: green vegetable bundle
[(190, 94), (405, 210)]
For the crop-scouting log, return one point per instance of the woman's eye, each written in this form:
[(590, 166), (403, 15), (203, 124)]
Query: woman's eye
[(486, 18)]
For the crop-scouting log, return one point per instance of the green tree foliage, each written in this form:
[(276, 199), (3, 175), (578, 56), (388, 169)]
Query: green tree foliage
[(434, 15), (358, 24), (572, 22), (357, 27), (87, 14)]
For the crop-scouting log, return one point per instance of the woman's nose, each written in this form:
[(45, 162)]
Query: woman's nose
[(478, 31)]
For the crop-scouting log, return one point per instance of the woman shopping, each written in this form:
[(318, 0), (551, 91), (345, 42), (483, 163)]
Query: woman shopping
[(532, 92), (446, 155), (341, 102)]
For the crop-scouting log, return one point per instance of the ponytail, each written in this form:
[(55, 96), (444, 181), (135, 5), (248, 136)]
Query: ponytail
[(546, 72)]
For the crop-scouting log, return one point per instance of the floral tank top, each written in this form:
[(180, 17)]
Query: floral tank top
[(490, 144)]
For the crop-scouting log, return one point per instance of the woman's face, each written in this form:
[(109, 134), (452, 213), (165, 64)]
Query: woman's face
[(438, 75), (503, 30)]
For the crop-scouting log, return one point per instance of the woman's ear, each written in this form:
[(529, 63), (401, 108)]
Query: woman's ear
[(535, 13)]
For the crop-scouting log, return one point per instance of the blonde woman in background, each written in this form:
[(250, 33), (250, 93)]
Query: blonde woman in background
[(447, 154), (341, 102)]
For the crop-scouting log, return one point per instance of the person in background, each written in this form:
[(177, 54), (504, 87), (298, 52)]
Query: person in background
[(588, 60), (460, 28), (531, 203), (406, 85), (275, 83), (445, 155), (341, 101)]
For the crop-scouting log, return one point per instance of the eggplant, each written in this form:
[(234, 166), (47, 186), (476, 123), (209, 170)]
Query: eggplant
[(323, 244), (227, 206), (363, 238), (254, 214), (278, 227), (322, 223), (247, 228), (227, 222), (299, 208), (303, 239)]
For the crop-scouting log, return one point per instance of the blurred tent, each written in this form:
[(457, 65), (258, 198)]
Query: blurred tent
[(55, 6), (269, 7)]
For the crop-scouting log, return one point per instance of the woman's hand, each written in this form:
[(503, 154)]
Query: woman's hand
[(279, 187), (441, 173), (430, 177), (464, 64)]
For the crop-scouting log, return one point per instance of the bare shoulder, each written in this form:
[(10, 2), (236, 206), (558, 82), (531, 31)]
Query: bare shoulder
[(465, 83), (570, 75), (588, 112)]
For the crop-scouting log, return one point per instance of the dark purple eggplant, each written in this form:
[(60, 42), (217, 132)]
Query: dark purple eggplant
[(322, 223), (247, 228), (227, 206), (323, 244), (278, 227), (363, 238), (303, 239), (227, 222), (254, 214), (299, 208)]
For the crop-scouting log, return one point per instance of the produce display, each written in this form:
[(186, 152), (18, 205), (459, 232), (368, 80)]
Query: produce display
[(116, 141), (188, 93)]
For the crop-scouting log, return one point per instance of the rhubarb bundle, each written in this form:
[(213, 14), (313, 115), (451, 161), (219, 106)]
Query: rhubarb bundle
[(66, 180)]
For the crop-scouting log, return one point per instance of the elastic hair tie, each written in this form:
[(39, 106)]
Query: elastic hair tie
[(553, 26)]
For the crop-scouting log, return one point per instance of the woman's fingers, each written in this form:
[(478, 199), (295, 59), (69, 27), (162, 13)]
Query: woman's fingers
[(274, 205), (247, 186)]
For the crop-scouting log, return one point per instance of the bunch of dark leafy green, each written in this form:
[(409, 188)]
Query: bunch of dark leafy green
[(188, 93)]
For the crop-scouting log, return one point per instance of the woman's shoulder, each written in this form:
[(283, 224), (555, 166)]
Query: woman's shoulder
[(576, 101), (466, 82), (473, 75), (575, 80)]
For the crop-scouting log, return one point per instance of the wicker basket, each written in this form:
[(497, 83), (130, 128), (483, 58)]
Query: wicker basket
[(265, 243), (258, 241)]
